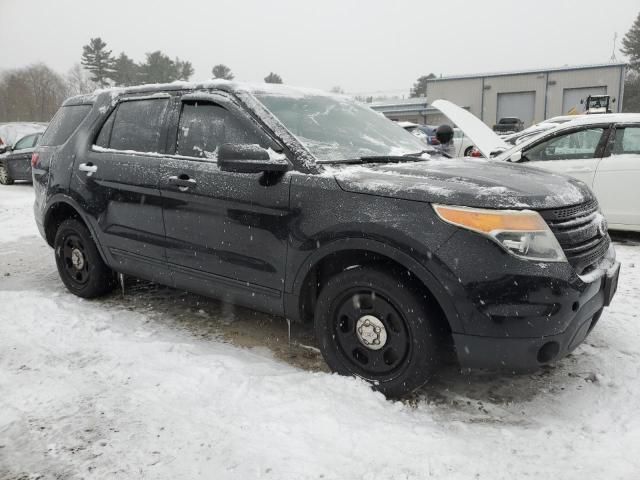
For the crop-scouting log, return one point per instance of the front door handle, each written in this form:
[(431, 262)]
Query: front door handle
[(183, 182), (90, 168)]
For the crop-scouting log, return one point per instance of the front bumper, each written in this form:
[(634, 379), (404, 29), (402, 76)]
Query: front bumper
[(528, 354), (517, 315)]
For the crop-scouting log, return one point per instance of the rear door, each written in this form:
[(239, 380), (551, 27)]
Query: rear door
[(617, 180), (116, 182), (574, 152), (226, 232)]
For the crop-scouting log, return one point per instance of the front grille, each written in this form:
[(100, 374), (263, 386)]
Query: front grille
[(579, 232)]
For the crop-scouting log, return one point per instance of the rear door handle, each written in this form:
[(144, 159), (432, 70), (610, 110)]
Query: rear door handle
[(90, 168), (183, 182)]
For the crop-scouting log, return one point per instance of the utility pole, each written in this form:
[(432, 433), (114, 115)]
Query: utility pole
[(613, 50)]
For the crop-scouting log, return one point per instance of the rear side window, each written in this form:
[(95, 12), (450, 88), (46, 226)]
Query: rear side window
[(135, 125), (205, 126), (627, 141), (64, 124)]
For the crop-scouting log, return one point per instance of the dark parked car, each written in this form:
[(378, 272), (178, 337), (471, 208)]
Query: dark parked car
[(316, 208), (15, 164), (508, 125)]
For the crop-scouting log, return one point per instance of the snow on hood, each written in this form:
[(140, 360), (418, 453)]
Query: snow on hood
[(470, 182), (482, 136)]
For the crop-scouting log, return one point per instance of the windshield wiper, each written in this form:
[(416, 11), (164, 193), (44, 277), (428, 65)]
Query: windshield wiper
[(407, 157)]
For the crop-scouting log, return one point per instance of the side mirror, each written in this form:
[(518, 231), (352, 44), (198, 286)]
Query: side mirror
[(516, 157), (249, 158), (613, 100)]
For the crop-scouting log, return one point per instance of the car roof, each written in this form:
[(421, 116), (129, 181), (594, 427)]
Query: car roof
[(583, 120), (218, 84), (599, 118)]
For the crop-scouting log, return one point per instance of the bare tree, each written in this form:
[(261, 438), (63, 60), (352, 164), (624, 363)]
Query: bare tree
[(78, 81), (32, 93)]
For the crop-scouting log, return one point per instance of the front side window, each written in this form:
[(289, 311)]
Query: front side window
[(627, 141), (64, 124), (136, 125), (26, 142), (205, 126), (336, 128), (581, 144)]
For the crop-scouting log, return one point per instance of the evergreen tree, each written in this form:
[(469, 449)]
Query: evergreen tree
[(419, 88), (98, 60), (222, 71), (631, 102), (337, 89), (184, 69), (126, 72), (631, 45), (273, 78), (158, 68)]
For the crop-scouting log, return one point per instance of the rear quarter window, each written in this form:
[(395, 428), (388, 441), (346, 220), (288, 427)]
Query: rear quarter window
[(63, 124)]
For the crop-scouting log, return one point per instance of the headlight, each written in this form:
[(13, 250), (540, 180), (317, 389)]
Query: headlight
[(522, 233)]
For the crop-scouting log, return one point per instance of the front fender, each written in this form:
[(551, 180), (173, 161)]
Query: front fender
[(428, 275)]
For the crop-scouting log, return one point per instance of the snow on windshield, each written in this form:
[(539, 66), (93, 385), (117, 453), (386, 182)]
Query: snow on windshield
[(337, 128)]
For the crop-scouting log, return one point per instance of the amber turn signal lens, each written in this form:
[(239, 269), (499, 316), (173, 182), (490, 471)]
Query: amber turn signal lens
[(487, 221)]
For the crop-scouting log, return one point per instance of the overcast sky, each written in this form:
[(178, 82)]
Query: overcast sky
[(363, 46)]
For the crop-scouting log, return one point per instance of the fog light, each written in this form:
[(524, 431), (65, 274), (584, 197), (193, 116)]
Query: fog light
[(548, 352)]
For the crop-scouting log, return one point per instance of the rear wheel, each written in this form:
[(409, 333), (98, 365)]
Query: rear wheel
[(80, 265), (468, 150), (5, 177), (373, 325)]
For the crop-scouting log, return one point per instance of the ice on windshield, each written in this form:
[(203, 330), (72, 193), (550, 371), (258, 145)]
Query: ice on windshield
[(337, 128)]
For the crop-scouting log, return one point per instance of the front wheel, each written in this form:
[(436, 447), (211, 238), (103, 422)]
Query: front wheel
[(79, 263), (5, 176), (468, 150), (373, 325)]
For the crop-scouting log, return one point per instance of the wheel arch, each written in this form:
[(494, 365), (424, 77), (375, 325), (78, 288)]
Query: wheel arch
[(61, 208), (344, 253)]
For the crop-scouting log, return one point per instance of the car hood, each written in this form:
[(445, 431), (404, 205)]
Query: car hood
[(469, 182), (482, 136)]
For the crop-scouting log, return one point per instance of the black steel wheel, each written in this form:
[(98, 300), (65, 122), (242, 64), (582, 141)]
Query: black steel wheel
[(375, 326), (79, 263), (5, 177)]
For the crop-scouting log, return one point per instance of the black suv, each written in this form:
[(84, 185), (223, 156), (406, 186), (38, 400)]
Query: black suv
[(314, 207)]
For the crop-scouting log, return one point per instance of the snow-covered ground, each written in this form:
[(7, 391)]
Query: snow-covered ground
[(148, 385)]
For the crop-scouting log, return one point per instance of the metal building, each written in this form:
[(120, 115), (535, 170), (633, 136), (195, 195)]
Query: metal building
[(531, 95)]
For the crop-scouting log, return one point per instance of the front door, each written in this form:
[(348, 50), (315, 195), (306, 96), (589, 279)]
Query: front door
[(575, 153), (617, 179), (116, 182), (18, 161), (226, 232)]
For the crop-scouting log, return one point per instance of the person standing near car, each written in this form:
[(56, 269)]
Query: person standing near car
[(444, 134)]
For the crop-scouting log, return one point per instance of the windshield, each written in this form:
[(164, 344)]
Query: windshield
[(335, 128)]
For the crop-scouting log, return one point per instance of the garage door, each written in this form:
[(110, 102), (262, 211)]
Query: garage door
[(571, 98), (518, 104)]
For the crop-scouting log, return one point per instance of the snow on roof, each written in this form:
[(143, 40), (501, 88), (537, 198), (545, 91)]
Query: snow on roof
[(603, 117), (11, 132), (530, 71), (232, 86)]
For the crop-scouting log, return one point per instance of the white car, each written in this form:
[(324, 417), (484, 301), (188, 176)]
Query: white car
[(601, 150)]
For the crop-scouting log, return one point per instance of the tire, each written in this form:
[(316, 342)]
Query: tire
[(5, 177), (468, 150), (80, 265), (395, 321)]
